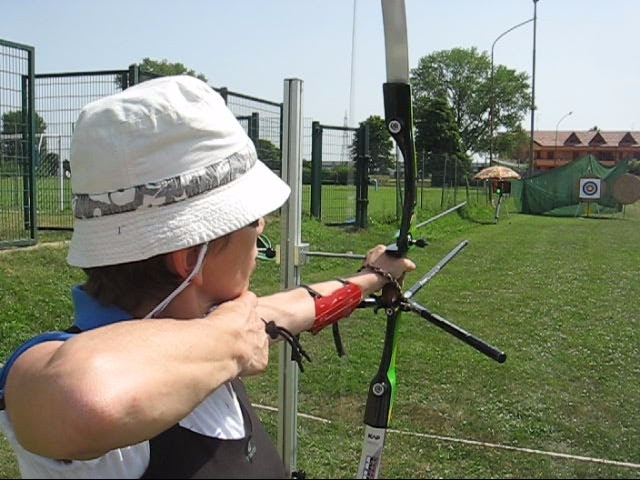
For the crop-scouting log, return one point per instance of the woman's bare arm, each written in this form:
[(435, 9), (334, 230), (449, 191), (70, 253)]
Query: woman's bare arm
[(123, 383)]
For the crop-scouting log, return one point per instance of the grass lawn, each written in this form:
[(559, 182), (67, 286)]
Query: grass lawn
[(558, 295)]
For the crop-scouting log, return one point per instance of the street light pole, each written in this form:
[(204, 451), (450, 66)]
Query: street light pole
[(492, 100), (533, 87), (555, 143)]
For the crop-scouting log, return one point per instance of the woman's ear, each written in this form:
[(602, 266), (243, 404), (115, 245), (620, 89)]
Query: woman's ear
[(182, 262)]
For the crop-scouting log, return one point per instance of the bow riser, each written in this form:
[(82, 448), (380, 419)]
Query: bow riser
[(399, 120)]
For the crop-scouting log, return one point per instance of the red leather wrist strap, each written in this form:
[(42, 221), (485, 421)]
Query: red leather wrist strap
[(337, 305)]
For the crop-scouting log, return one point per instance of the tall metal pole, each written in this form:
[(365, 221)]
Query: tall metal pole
[(555, 143), (492, 103), (558, 124), (533, 87), (290, 267)]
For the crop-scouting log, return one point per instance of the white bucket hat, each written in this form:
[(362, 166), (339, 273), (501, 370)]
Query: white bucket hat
[(162, 166)]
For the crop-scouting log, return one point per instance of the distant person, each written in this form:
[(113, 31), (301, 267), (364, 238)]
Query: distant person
[(66, 169), (169, 200)]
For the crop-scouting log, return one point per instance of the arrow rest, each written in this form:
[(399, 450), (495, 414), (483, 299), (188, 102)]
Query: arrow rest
[(389, 298), (420, 242)]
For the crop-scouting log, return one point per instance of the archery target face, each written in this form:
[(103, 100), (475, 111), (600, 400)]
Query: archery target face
[(590, 188)]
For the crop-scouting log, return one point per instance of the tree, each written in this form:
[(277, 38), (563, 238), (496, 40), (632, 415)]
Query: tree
[(14, 128), (15, 122), (269, 154), (463, 78), (436, 127), (163, 68), (156, 68), (438, 140), (380, 145), (513, 145)]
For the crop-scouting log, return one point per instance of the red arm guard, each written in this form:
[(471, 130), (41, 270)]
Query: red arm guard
[(338, 305)]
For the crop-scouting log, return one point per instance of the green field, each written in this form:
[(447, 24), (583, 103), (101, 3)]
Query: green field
[(338, 204), (558, 295)]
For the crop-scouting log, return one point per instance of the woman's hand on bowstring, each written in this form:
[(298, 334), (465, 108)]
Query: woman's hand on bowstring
[(251, 347)]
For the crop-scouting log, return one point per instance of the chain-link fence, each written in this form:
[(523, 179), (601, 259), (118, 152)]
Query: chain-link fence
[(36, 143), (18, 222), (59, 97)]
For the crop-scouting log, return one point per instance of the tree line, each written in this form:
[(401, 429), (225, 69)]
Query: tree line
[(455, 92), (454, 95)]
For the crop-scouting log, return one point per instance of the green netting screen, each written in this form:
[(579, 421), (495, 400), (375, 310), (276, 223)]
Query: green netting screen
[(557, 192)]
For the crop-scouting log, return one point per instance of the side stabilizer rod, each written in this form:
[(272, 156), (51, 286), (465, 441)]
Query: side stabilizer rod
[(468, 338), (431, 273)]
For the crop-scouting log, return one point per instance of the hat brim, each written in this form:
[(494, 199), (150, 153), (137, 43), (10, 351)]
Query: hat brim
[(144, 233)]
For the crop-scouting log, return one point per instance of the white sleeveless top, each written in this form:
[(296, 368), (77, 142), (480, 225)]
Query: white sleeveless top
[(218, 416)]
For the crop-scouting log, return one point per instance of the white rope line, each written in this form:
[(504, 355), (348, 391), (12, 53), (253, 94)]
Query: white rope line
[(305, 415), (11, 249), (482, 444), (519, 449)]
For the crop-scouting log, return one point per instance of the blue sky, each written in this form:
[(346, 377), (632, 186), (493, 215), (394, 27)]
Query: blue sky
[(586, 59)]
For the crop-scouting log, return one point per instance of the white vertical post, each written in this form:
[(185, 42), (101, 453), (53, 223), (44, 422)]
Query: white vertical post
[(290, 265), (61, 173), (60, 163)]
